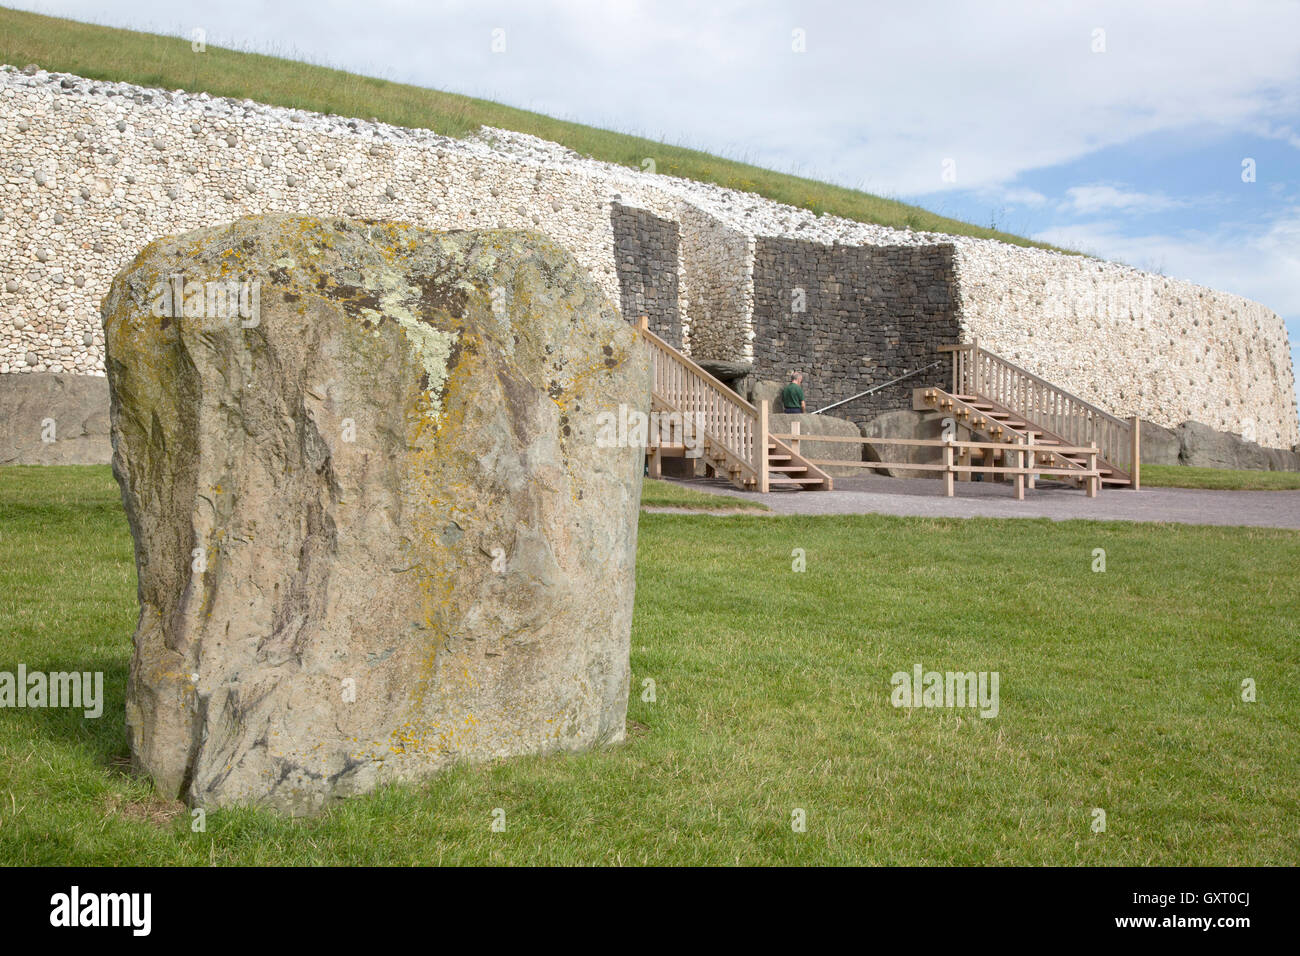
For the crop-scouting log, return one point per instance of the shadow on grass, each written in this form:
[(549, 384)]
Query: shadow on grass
[(103, 737)]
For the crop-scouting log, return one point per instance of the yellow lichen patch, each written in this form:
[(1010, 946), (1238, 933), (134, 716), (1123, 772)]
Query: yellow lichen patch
[(437, 497)]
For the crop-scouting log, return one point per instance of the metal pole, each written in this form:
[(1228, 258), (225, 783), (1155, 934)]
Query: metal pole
[(876, 388)]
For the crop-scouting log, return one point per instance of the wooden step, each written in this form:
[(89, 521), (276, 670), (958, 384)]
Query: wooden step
[(1083, 463), (795, 481)]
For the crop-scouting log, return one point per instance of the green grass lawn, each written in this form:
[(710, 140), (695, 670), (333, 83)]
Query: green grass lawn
[(148, 59), (666, 494), (1119, 690), (1220, 479)]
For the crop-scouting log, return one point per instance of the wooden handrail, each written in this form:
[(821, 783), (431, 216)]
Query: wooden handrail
[(1042, 381), (940, 442), (1021, 474), (730, 424)]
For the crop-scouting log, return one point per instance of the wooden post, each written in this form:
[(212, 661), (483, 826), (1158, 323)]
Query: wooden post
[(947, 471), (656, 467), (1094, 481), (760, 448), (794, 442), (1136, 424), (1031, 475), (643, 323), (1019, 475), (962, 433)]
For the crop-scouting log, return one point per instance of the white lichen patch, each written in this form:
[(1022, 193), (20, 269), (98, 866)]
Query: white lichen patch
[(432, 348)]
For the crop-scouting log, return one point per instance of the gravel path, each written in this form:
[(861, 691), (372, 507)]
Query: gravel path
[(924, 497)]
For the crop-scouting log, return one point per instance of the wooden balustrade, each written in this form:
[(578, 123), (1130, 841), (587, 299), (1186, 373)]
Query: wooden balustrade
[(726, 418), (977, 371)]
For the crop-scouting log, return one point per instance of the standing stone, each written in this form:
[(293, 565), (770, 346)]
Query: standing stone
[(374, 529)]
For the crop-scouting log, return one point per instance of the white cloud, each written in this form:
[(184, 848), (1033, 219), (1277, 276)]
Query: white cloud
[(1093, 199), (1020, 196)]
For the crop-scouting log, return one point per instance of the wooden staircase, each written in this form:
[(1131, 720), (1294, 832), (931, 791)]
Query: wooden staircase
[(786, 469), (1002, 402), (732, 437)]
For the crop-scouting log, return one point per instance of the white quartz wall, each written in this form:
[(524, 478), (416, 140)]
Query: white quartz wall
[(1132, 342), (91, 172)]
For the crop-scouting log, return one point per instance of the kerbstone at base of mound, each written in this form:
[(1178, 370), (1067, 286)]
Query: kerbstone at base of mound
[(1204, 447), (1160, 445), (905, 423), (762, 390), (375, 531), (51, 418), (810, 424), (1280, 459)]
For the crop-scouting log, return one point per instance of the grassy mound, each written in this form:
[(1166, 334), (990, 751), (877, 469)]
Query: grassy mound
[(148, 59)]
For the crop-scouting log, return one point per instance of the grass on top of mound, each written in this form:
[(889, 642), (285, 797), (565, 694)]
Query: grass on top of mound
[(149, 59), (1219, 479), (1118, 691)]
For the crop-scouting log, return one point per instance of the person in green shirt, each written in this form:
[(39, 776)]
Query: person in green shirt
[(792, 395)]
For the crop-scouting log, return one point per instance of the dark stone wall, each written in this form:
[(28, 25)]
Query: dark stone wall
[(645, 254), (871, 313)]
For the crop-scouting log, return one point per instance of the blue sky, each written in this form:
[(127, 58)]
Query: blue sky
[(1115, 128)]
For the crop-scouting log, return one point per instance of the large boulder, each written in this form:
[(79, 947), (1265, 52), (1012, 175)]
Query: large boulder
[(48, 418), (1283, 459), (1160, 445), (763, 390), (1204, 447), (377, 527), (905, 423), (811, 424), (725, 371)]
